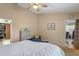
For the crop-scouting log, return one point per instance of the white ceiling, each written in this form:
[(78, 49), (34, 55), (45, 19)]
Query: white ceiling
[(55, 7)]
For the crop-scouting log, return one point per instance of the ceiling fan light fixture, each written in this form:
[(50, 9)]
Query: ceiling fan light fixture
[(35, 6)]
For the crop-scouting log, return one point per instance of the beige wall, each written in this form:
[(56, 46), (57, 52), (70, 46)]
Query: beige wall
[(57, 36), (37, 23), (20, 17)]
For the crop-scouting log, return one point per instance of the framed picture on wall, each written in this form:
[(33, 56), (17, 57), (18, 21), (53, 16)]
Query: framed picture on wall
[(51, 26)]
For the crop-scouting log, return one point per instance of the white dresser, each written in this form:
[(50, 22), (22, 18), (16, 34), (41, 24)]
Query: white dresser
[(25, 34)]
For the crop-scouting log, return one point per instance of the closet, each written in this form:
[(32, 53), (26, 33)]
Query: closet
[(72, 33), (4, 31)]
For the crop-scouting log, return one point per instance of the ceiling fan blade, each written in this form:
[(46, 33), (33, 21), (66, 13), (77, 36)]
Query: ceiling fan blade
[(44, 5), (29, 8)]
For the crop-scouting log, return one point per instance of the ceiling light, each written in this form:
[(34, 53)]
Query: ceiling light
[(35, 6)]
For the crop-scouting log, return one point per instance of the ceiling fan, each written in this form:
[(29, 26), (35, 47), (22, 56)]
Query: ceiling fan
[(37, 6)]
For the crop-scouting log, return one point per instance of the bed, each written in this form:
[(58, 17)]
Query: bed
[(31, 48)]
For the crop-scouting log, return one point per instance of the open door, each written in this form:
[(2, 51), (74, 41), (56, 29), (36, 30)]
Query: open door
[(76, 38), (7, 31)]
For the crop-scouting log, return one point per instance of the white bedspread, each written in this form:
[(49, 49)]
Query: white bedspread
[(29, 48)]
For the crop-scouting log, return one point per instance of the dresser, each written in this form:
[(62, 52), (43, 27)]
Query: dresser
[(24, 34)]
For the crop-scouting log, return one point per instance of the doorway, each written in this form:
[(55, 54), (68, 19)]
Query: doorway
[(69, 32), (5, 31)]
